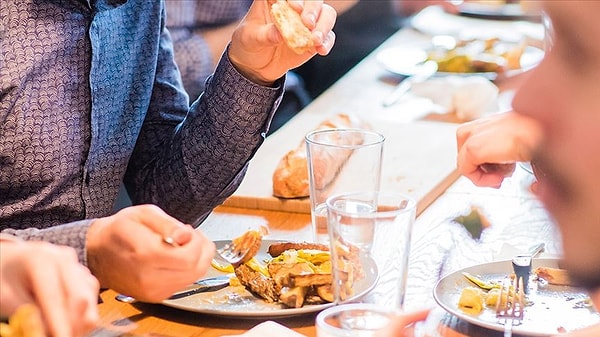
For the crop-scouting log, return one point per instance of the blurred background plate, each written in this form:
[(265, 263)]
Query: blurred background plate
[(496, 11), (408, 60)]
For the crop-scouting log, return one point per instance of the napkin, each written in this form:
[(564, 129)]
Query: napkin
[(469, 97), (269, 329)]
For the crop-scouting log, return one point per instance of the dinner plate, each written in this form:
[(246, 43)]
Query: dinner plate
[(409, 59), (493, 11), (550, 309), (240, 303)]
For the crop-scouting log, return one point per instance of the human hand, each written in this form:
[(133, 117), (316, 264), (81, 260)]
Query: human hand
[(50, 277), (400, 327), (488, 148), (126, 252), (593, 330), (258, 50)]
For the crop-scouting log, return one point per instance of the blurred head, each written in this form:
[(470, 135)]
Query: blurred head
[(563, 95)]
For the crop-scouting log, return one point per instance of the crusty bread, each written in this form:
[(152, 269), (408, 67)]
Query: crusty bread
[(290, 178), (289, 23)]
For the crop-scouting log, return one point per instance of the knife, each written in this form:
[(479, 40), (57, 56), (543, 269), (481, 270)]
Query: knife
[(204, 285), (427, 70)]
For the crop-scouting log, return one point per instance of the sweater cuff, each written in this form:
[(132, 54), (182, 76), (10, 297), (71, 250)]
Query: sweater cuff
[(72, 234)]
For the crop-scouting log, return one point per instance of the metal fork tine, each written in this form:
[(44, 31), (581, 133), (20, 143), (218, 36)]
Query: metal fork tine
[(520, 301), (510, 305), (231, 253)]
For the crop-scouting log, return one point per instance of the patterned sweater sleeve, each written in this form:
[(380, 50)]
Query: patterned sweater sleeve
[(71, 234), (189, 166)]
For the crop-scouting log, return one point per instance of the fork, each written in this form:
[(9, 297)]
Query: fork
[(232, 252), (510, 305)]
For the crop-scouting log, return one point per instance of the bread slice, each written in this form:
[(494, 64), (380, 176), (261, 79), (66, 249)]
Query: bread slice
[(289, 23)]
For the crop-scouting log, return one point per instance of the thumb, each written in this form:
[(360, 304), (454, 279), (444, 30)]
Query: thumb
[(408, 318), (397, 328), (267, 35)]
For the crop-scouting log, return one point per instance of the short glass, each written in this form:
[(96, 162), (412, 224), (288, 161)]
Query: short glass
[(353, 320), (366, 227)]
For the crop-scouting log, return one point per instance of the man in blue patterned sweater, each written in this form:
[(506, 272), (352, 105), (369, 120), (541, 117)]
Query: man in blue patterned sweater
[(90, 97)]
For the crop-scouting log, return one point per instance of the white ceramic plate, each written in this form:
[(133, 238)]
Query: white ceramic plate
[(240, 303), (408, 60), (552, 308), (493, 11)]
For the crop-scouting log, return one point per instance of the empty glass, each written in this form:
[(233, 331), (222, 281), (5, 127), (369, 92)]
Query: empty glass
[(340, 161)]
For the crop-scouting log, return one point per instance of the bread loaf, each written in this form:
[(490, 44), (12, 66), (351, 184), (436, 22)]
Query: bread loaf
[(289, 23), (290, 178)]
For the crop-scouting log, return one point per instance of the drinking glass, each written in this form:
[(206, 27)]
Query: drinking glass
[(340, 160), (352, 320), (368, 228)]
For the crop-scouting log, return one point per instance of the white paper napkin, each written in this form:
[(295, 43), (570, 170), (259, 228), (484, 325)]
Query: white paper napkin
[(269, 329), (469, 97)]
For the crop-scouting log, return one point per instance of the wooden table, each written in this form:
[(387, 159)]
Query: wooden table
[(439, 245)]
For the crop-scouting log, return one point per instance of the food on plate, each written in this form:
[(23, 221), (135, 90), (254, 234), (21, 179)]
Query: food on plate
[(478, 56), (481, 283), (289, 23), (471, 300), (25, 322), (298, 273), (553, 275), (277, 249), (294, 277), (290, 178), (486, 294)]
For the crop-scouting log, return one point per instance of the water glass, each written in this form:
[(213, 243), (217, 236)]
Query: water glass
[(371, 228), (340, 161), (353, 320)]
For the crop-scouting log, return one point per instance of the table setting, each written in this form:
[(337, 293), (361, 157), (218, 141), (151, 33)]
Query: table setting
[(382, 192)]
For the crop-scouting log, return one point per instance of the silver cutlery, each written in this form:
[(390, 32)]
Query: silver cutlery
[(510, 305), (426, 70), (200, 286)]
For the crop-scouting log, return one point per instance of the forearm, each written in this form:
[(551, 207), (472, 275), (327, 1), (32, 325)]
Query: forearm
[(203, 162), (71, 234)]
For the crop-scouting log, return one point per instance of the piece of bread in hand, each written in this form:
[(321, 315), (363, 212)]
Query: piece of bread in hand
[(290, 178), (289, 23)]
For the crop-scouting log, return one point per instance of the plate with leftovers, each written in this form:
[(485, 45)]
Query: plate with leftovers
[(485, 57), (498, 10), (237, 301), (552, 305)]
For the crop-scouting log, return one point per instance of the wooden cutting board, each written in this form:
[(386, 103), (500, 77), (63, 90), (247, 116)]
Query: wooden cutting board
[(419, 160)]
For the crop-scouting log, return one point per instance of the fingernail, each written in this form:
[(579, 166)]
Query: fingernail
[(319, 36), (169, 240), (312, 19)]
